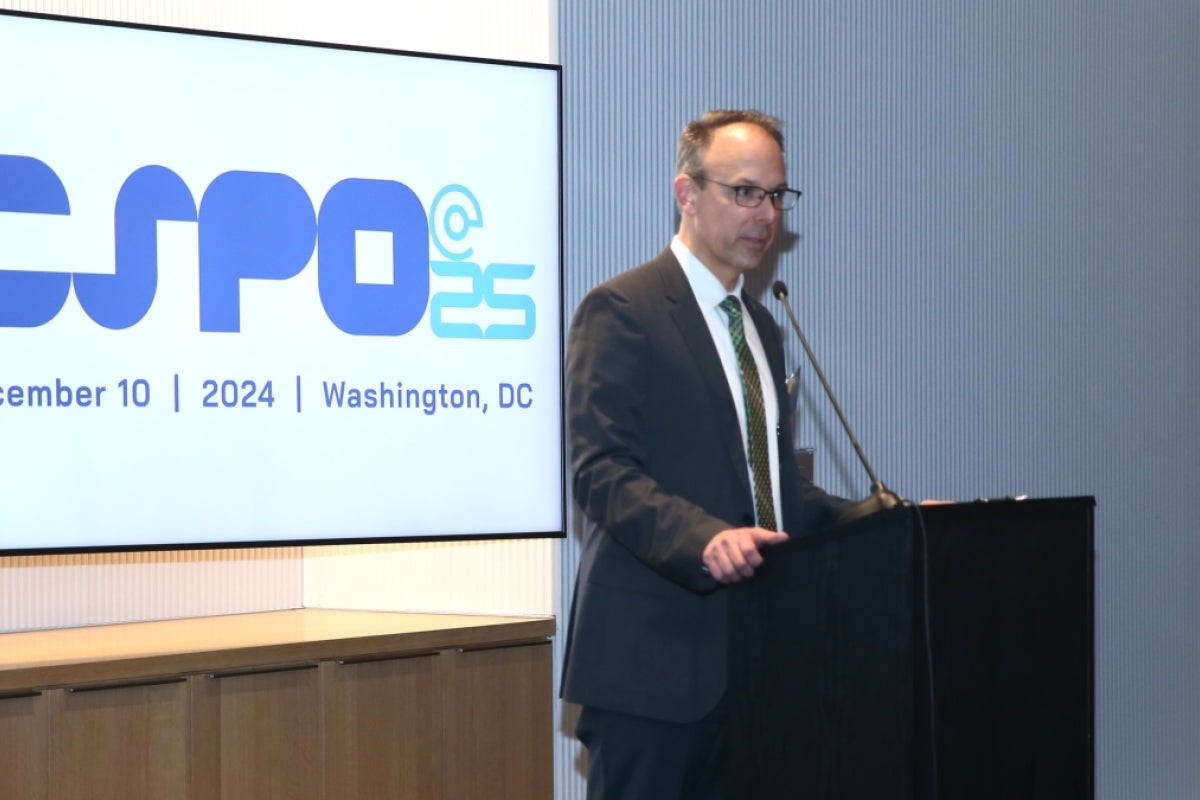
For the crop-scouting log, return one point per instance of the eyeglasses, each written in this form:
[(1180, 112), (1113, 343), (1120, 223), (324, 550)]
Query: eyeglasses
[(749, 196)]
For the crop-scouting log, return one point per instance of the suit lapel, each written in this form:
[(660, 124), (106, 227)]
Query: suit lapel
[(685, 314)]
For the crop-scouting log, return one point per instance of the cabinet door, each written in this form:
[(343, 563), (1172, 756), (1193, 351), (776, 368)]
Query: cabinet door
[(256, 735), (383, 728), (23, 743), (499, 724), (119, 742)]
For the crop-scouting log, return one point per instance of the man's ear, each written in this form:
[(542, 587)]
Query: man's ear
[(685, 194)]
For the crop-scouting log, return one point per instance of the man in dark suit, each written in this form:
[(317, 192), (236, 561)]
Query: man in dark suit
[(670, 385)]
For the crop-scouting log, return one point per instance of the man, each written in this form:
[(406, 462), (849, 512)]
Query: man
[(669, 386)]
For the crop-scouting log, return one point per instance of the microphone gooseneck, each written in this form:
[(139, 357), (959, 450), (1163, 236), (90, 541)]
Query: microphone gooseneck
[(881, 497)]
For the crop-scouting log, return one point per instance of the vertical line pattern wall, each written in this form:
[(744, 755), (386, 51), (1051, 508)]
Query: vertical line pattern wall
[(996, 258), (38, 592)]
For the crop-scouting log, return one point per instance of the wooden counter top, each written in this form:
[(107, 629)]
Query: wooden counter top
[(132, 651)]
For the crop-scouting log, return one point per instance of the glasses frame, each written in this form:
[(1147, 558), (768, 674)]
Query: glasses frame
[(747, 195)]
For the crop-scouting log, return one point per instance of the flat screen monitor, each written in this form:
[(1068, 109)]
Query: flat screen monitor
[(263, 292)]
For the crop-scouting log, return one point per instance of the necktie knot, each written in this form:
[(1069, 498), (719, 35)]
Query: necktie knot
[(732, 308)]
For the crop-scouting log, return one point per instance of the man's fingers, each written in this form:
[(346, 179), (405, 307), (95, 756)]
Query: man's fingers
[(765, 537), (735, 554), (718, 565)]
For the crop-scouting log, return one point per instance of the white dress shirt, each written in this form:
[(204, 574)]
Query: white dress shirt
[(709, 294)]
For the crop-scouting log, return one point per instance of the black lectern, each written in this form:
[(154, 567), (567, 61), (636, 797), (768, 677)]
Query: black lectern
[(940, 652)]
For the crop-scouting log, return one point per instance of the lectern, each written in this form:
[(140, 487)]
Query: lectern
[(933, 652)]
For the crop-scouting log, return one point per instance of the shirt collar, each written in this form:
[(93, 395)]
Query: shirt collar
[(708, 290)]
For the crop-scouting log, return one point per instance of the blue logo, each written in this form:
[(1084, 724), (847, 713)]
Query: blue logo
[(263, 226), (460, 213)]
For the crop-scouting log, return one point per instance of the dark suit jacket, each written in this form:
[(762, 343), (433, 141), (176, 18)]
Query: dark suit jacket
[(658, 470)]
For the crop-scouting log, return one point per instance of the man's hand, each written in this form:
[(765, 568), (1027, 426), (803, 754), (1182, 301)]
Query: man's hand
[(734, 554)]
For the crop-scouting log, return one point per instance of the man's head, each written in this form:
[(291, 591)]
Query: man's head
[(725, 158)]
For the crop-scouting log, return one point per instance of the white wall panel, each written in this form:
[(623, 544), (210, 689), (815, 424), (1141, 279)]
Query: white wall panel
[(519, 30), (38, 592), (492, 577)]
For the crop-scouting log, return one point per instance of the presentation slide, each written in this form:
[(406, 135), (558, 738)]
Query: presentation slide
[(256, 291)]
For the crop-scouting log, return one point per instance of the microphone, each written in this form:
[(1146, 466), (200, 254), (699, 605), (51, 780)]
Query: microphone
[(881, 497)]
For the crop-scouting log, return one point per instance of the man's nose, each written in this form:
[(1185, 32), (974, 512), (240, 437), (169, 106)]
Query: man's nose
[(767, 212)]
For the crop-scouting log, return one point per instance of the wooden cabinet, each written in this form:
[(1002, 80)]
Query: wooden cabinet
[(123, 742), (297, 705), (257, 734), (23, 744), (503, 733), (383, 724)]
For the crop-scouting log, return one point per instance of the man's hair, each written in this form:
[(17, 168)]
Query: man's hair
[(697, 136)]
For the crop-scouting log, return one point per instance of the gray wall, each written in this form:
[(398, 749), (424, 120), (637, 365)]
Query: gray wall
[(997, 259)]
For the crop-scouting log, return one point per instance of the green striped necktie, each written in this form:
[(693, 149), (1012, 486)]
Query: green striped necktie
[(756, 417)]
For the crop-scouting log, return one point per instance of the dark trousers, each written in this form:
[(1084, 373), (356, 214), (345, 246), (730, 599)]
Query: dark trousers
[(633, 758)]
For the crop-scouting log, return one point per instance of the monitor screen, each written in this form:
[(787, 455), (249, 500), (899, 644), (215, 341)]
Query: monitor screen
[(256, 291)]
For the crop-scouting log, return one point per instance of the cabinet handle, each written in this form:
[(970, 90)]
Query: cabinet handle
[(99, 687), (261, 670), (19, 694), (371, 659), (503, 645)]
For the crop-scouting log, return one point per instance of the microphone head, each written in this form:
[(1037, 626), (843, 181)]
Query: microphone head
[(779, 289)]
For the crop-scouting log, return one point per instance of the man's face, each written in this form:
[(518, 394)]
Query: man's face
[(730, 239)]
